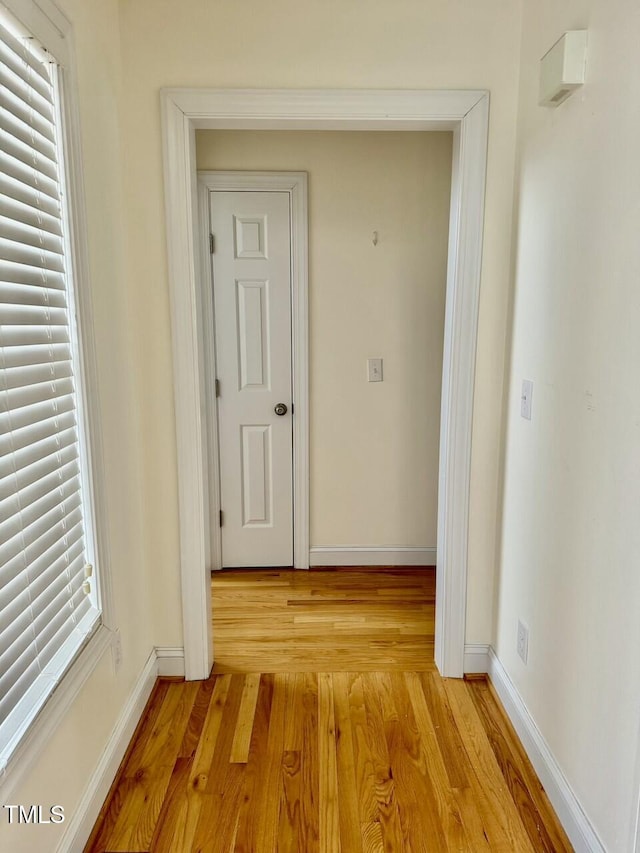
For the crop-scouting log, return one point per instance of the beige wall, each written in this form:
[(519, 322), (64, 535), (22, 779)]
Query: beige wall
[(62, 771), (571, 536), (404, 44), (374, 447)]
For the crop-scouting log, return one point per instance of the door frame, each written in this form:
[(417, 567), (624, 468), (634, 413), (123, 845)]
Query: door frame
[(466, 113), (294, 184)]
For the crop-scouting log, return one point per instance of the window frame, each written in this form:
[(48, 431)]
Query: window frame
[(53, 30)]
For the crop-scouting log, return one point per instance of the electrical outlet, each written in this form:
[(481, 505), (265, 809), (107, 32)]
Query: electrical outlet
[(523, 641), (526, 398), (116, 650)]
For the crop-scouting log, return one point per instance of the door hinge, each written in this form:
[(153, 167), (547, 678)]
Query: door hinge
[(212, 243), (217, 387), (292, 407), (221, 518)]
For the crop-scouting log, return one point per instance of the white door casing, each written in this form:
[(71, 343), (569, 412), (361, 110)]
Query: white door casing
[(466, 113), (252, 310), (294, 184)]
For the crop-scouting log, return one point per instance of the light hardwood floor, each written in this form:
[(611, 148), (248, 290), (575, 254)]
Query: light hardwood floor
[(336, 621), (325, 727)]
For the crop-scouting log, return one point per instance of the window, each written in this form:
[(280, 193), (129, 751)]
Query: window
[(49, 606)]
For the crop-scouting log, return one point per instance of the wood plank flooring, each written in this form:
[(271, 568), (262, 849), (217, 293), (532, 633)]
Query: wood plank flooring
[(334, 621), (317, 756)]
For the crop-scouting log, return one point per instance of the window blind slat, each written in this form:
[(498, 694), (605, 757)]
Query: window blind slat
[(20, 524), (15, 273), (41, 420), (26, 477), (31, 256), (20, 336), (32, 178), (18, 618), (23, 631), (36, 297), (35, 432), (71, 561), (36, 354), (24, 210), (54, 558), (15, 425), (34, 157), (27, 498), (30, 315), (16, 53), (34, 374), (17, 191), (29, 235), (41, 533), (25, 131), (20, 87), (31, 415), (14, 597), (26, 512), (64, 535), (68, 529), (14, 105), (17, 398), (24, 461)]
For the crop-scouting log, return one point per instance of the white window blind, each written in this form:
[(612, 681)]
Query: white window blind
[(46, 609)]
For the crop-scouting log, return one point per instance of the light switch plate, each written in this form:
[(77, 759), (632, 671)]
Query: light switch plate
[(526, 398), (374, 369)]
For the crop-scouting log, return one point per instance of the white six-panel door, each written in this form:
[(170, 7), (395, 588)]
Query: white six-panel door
[(252, 304)]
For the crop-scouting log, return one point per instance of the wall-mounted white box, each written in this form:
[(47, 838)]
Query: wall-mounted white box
[(562, 68)]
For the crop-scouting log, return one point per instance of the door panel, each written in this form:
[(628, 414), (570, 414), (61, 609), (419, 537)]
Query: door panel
[(253, 334), (252, 303), (257, 481)]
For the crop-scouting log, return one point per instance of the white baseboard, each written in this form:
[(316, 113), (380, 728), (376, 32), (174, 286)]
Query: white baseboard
[(476, 658), (570, 814), (371, 555), (162, 661), (170, 660)]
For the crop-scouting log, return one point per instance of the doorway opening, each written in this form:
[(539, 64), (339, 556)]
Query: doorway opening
[(463, 112), (377, 251)]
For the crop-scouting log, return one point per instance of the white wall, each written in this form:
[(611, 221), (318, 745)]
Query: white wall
[(373, 447), (571, 536), (62, 770), (285, 43)]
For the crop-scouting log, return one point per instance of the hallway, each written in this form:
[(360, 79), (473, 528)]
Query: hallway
[(352, 743)]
